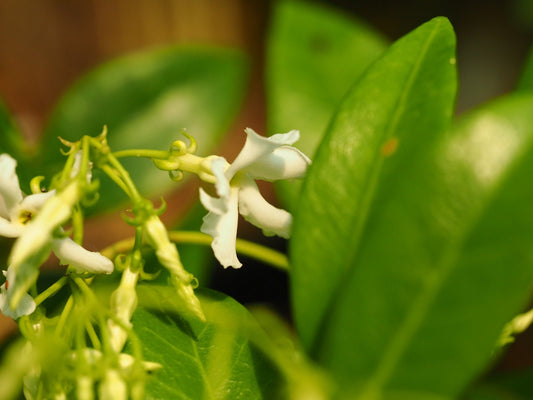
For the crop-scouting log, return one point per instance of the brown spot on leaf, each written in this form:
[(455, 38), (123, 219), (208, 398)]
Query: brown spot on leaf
[(389, 147)]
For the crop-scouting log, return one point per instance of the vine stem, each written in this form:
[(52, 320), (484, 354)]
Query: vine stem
[(244, 247)]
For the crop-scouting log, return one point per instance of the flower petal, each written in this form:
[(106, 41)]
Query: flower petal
[(285, 162), (288, 138), (9, 182), (218, 206), (25, 307), (221, 224), (255, 209), (257, 146), (21, 278), (3, 208), (218, 168), (82, 260), (55, 211), (34, 202), (26, 304), (7, 229)]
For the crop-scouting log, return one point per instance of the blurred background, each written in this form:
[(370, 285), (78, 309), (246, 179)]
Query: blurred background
[(45, 46)]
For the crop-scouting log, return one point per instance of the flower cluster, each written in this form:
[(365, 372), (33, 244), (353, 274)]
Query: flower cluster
[(263, 158), (35, 221)]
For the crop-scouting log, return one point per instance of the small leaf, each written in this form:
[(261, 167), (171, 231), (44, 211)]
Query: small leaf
[(213, 360), (402, 103), (314, 56), (145, 100)]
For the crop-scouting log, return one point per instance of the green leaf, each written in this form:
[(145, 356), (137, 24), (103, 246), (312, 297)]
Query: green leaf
[(444, 263), (405, 98), (314, 55), (145, 100), (443, 260), (213, 360)]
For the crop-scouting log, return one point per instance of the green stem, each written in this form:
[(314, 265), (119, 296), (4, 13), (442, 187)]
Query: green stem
[(77, 224), (93, 335), (114, 176), (114, 169), (65, 174), (159, 154), (84, 164), (244, 247), (102, 312), (51, 290), (84, 287), (64, 315)]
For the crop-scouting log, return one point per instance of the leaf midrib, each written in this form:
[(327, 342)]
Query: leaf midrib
[(399, 342)]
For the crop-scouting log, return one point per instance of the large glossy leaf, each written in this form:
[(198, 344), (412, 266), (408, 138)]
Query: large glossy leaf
[(145, 100), (405, 100), (314, 56), (213, 360), (442, 262)]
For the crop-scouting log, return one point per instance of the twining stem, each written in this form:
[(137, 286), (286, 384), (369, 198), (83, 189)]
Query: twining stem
[(244, 247)]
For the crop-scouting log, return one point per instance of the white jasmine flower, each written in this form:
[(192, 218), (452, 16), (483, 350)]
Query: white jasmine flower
[(15, 209), (269, 159), (33, 220), (26, 305)]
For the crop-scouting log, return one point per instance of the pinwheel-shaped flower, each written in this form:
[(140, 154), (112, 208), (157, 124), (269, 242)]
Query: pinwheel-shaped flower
[(263, 158), (35, 221)]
